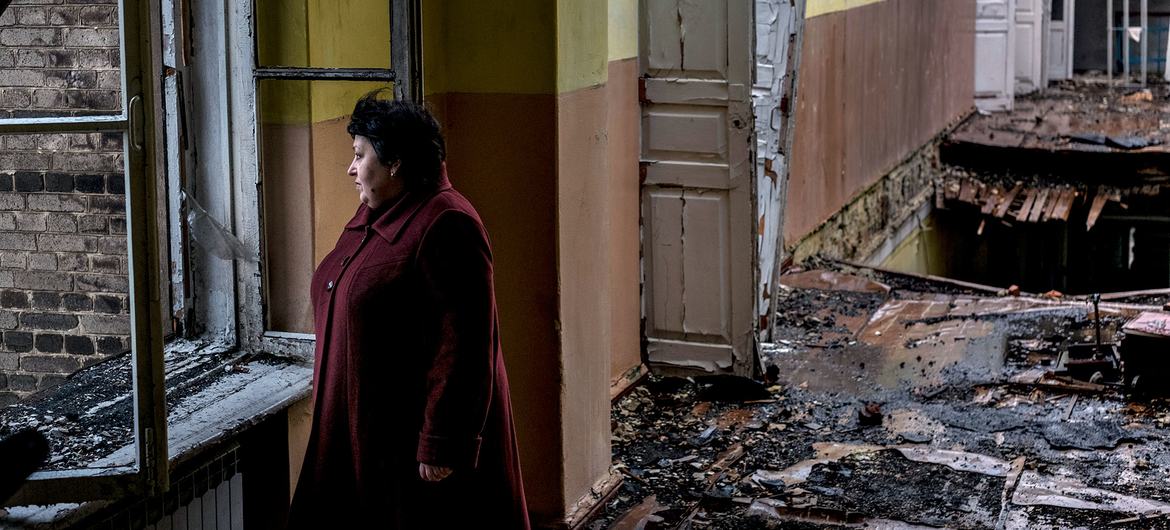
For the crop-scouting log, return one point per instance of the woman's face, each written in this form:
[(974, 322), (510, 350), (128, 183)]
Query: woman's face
[(376, 182)]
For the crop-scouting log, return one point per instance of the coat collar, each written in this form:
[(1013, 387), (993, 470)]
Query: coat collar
[(389, 223)]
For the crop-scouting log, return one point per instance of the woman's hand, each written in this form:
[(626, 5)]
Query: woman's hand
[(431, 473)]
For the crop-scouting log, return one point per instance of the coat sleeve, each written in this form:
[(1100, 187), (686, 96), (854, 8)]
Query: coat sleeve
[(455, 262)]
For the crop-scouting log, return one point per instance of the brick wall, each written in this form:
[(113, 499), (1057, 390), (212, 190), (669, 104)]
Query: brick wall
[(63, 268)]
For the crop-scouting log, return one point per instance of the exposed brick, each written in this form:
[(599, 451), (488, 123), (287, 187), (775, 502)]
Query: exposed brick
[(107, 304), (7, 221), (15, 98), (6, 182), (9, 361), (42, 262), (111, 162), (76, 302), (59, 182), (46, 300), (111, 141), (23, 160), (30, 222), (71, 79), (72, 262), (112, 245), (57, 321), (66, 243), (64, 16), (97, 16), (37, 37), (116, 184), (88, 37), (77, 142), (104, 263), (28, 181), (96, 58), (110, 345), (105, 324), (49, 343), (55, 203), (22, 141), (102, 283), (78, 345), (8, 398), (61, 58), (3, 382), (117, 225), (31, 16), (8, 320), (90, 183), (50, 381), (11, 201), (18, 341), (57, 364), (11, 241), (43, 281), (13, 260), (7, 58), (92, 224), (32, 58), (14, 299), (22, 382), (111, 79), (61, 222)]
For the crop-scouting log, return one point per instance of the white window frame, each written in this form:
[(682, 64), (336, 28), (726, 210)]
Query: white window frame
[(137, 122)]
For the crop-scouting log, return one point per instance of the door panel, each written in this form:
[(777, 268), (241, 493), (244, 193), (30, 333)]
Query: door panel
[(698, 238), (994, 54), (1029, 45)]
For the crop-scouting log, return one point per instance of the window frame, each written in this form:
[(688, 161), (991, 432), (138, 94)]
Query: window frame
[(144, 249), (405, 72), (157, 112)]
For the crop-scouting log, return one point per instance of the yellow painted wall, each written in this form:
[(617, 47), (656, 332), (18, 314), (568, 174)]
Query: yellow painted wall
[(497, 47), (582, 43), (623, 29)]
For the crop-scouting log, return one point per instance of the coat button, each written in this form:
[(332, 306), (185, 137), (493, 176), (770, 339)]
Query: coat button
[(329, 286)]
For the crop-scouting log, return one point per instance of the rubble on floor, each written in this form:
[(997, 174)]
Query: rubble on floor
[(900, 402)]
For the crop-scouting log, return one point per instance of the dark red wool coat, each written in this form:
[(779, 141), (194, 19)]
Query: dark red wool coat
[(409, 369)]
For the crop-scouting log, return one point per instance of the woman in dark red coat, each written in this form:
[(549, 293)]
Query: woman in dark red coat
[(412, 425)]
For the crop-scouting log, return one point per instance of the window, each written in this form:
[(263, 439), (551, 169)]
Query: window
[(79, 254), (219, 178)]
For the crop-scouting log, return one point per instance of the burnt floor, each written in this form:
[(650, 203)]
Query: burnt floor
[(967, 428)]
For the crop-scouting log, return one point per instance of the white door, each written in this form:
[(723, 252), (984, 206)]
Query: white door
[(697, 165), (1029, 45), (1060, 40), (994, 54)]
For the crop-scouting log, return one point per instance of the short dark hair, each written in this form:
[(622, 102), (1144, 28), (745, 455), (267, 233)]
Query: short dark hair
[(404, 132)]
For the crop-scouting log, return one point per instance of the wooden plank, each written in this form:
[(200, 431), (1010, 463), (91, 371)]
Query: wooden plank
[(1038, 206), (967, 192), (951, 188), (1007, 201), (1053, 200), (1063, 204), (1095, 210), (1066, 205), (993, 198), (1029, 200)]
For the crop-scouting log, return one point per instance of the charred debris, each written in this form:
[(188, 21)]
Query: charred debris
[(905, 401)]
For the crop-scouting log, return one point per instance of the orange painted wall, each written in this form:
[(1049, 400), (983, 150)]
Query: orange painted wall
[(876, 83), (624, 282)]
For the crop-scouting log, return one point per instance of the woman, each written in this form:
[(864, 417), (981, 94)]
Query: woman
[(412, 425)]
